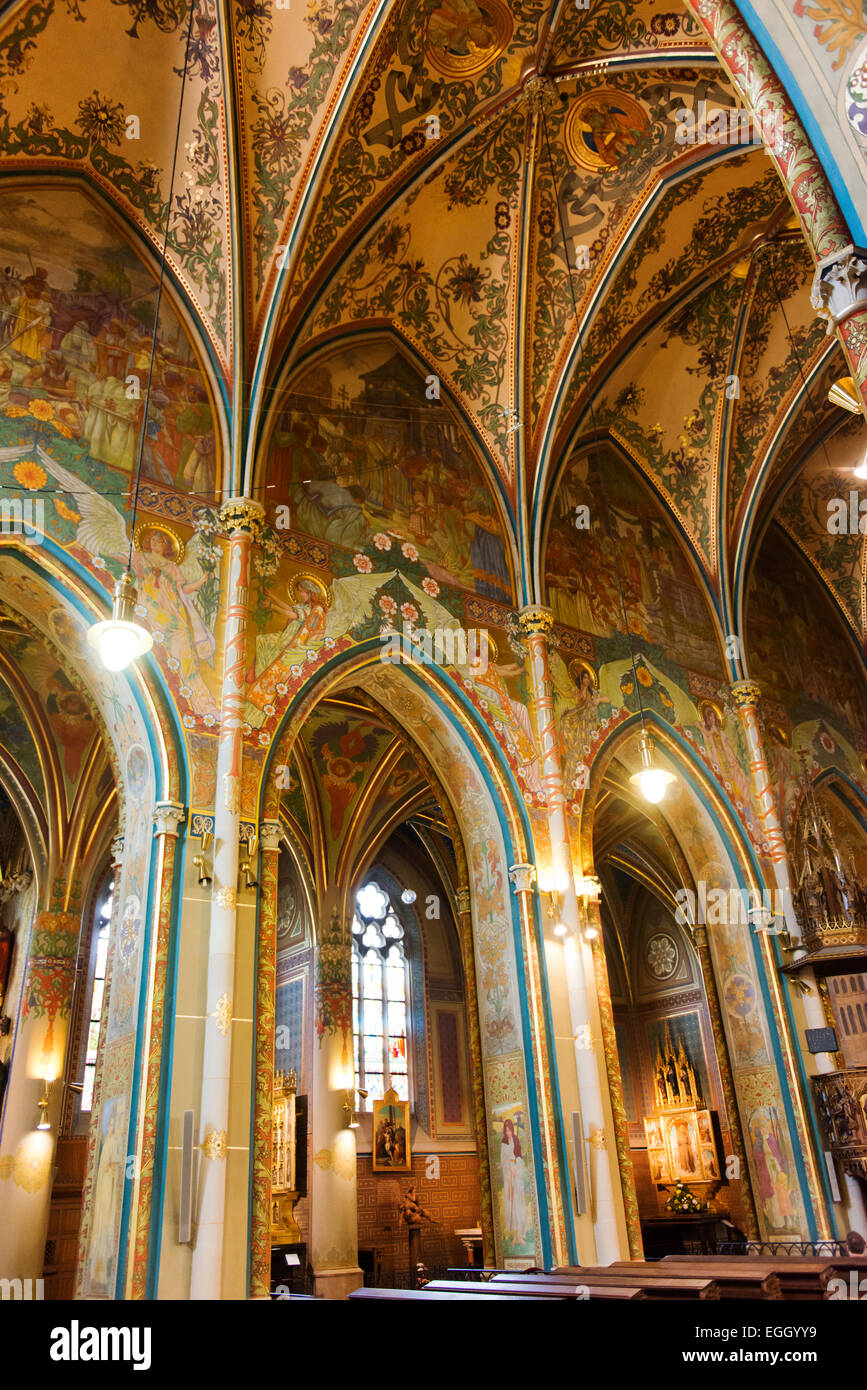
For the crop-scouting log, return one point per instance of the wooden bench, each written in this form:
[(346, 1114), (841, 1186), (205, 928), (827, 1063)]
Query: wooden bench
[(654, 1283), (748, 1280), (551, 1285), (507, 1290), (801, 1277), (423, 1295)]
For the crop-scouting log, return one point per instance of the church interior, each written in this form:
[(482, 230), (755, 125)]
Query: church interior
[(433, 606)]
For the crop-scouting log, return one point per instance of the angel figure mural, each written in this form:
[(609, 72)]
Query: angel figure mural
[(318, 615), (169, 575), (580, 719), (489, 683)]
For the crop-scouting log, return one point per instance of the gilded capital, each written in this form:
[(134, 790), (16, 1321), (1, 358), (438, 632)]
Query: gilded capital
[(746, 693), (523, 877), (242, 515), (462, 899), (535, 621), (840, 285), (168, 816), (270, 835)]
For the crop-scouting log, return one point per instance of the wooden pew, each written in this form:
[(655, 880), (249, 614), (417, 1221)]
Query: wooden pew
[(654, 1282), (424, 1296), (550, 1286), (801, 1277), (507, 1290), (748, 1280)]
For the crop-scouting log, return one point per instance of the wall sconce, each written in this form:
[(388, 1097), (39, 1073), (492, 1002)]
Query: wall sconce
[(589, 890), (349, 1109), (246, 865), (44, 1122), (199, 861), (552, 882)]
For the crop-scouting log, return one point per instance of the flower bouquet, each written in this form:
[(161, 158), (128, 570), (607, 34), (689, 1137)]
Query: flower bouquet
[(684, 1202)]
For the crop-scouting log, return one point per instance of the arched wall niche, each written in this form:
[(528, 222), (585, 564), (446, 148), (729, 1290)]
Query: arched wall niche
[(80, 286), (492, 818), (801, 653), (357, 446), (52, 594), (753, 1011), (598, 479)]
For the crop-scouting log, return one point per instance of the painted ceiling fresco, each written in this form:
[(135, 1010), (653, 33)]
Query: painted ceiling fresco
[(75, 348), (427, 251), (355, 773)]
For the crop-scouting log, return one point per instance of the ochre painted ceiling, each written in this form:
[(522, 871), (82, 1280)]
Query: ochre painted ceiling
[(497, 189)]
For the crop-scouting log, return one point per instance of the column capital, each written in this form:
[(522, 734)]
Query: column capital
[(241, 515), (840, 285), (168, 816), (535, 620), (270, 835), (462, 899), (523, 877), (746, 693), (117, 852)]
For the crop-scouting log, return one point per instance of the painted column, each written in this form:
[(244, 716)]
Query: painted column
[(27, 1153), (270, 834), (332, 1172), (751, 1225), (535, 625), (615, 1091), (242, 520), (746, 696), (117, 855), (465, 923), (168, 817)]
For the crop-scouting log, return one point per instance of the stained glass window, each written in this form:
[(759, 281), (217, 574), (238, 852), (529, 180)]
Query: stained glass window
[(379, 997)]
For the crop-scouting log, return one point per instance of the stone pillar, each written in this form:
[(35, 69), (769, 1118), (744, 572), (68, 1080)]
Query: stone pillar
[(332, 1172), (751, 1224), (270, 834), (615, 1091), (168, 817), (465, 926), (27, 1153), (242, 519), (746, 696), (535, 624), (840, 296)]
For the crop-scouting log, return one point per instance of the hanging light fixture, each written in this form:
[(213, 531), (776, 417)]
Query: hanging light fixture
[(120, 639), (651, 781)]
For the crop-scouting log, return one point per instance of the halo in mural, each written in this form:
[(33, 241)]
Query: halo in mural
[(602, 127), (662, 956), (465, 38), (147, 532), (577, 666), (300, 586)]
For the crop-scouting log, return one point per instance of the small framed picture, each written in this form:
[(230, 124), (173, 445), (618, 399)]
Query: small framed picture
[(391, 1152)]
